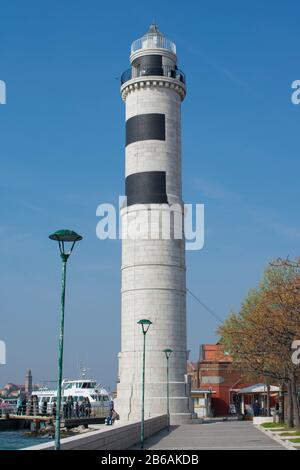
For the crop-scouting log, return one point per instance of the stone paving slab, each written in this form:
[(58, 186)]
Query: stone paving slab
[(213, 436)]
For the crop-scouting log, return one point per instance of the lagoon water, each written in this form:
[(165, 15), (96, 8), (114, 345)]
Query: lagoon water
[(14, 440)]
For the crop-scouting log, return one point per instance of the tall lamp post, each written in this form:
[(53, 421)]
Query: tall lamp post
[(145, 324), (168, 353), (69, 238)]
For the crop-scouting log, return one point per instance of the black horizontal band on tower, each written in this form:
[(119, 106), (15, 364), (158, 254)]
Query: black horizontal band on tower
[(148, 65), (150, 126), (154, 60), (148, 187)]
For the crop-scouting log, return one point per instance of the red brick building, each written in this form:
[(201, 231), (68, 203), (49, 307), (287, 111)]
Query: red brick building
[(216, 374)]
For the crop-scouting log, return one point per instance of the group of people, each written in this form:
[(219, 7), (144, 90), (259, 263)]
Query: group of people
[(77, 409), (70, 409), (28, 406), (21, 405)]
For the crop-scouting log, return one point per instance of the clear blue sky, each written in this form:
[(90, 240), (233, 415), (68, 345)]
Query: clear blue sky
[(62, 153)]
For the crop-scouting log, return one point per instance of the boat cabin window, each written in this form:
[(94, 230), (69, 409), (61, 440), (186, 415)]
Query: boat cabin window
[(66, 387), (88, 385)]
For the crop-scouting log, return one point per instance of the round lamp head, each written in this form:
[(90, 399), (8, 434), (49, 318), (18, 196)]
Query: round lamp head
[(145, 324), (168, 352), (65, 236)]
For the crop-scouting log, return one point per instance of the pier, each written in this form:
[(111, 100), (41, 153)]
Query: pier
[(14, 421)]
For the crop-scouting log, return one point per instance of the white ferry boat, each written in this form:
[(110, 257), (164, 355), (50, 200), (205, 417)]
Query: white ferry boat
[(79, 390)]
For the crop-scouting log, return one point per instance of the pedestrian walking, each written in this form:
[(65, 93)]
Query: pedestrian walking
[(256, 408), (19, 405), (44, 408), (81, 409), (24, 406), (54, 410), (77, 409), (88, 407), (111, 417)]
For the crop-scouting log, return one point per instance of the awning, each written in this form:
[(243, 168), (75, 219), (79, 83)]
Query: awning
[(258, 388)]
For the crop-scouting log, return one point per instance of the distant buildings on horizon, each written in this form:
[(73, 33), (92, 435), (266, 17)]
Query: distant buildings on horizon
[(11, 390)]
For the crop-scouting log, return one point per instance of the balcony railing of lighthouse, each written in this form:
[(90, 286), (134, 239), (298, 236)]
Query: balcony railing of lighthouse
[(164, 71)]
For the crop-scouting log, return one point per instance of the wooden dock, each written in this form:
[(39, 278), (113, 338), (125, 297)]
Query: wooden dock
[(19, 421)]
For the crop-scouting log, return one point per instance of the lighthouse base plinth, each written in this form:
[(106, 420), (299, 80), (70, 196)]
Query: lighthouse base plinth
[(129, 406)]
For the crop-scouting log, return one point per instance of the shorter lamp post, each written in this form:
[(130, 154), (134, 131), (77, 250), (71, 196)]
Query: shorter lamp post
[(168, 353), (62, 237), (145, 324)]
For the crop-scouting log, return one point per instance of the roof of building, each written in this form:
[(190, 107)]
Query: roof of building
[(258, 388), (11, 386)]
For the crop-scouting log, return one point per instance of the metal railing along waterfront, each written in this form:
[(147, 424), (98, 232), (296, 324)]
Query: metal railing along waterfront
[(164, 71), (93, 412), (50, 412), (6, 411), (153, 41)]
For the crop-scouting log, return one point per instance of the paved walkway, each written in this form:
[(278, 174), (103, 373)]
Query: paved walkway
[(235, 435)]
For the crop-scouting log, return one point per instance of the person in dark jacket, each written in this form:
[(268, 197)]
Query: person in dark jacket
[(110, 419), (24, 406), (19, 405), (76, 409), (256, 408), (88, 407), (44, 410), (54, 410)]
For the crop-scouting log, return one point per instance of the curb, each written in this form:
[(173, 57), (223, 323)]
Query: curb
[(284, 443)]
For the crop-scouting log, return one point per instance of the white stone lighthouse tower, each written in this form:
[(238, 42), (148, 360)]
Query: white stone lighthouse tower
[(153, 264)]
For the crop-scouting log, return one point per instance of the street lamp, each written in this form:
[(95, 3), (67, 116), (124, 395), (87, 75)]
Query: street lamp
[(145, 324), (168, 353), (69, 238)]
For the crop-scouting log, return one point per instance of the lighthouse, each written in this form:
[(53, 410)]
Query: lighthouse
[(153, 264)]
